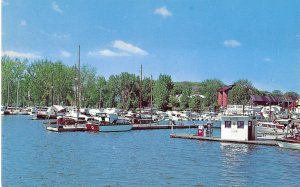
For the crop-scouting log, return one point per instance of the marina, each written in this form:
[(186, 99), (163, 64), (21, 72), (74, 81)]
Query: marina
[(136, 158), (150, 93)]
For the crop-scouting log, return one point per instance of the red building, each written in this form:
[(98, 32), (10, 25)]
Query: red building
[(289, 102), (223, 95)]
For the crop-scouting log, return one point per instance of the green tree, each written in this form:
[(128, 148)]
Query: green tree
[(113, 95), (291, 94), (146, 91), (209, 88), (276, 93), (196, 101), (185, 97), (102, 90), (240, 93), (162, 90), (129, 89), (89, 93), (13, 74)]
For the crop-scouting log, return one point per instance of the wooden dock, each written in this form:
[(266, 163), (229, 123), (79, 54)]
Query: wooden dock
[(152, 127), (218, 139)]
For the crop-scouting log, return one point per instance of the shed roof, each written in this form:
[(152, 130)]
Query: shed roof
[(225, 88)]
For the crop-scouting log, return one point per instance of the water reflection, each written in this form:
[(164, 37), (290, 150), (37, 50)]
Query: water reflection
[(234, 161)]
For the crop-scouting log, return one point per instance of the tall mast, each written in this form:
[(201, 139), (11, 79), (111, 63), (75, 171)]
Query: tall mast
[(18, 93), (52, 95), (151, 86), (78, 84), (141, 92)]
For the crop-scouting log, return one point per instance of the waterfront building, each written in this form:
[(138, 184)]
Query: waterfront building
[(241, 128), (223, 95)]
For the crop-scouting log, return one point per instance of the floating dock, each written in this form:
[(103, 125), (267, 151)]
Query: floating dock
[(152, 127), (218, 139)]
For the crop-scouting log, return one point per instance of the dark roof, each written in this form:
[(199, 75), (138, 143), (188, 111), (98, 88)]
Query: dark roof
[(225, 88), (272, 99)]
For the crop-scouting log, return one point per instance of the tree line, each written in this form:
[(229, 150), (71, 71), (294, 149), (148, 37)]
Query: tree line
[(44, 83)]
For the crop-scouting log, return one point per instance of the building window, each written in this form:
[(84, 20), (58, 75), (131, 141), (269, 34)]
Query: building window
[(227, 124), (240, 124)]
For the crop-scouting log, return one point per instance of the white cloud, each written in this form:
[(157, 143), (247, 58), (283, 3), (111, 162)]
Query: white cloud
[(163, 11), (15, 54), (127, 47), (107, 53), (267, 59), (232, 43), (120, 48), (23, 23), (56, 8), (65, 54)]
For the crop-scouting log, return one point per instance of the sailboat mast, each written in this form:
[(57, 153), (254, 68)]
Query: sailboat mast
[(151, 86), (78, 84), (141, 92), (18, 93)]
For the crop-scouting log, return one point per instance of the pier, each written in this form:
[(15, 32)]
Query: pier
[(218, 139), (152, 127)]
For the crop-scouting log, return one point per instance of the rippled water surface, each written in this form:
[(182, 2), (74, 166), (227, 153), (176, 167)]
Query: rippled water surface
[(32, 156)]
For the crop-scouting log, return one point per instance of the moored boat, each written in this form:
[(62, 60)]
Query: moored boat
[(292, 138), (66, 124), (66, 128), (270, 128), (5, 111), (104, 122), (118, 125), (289, 145)]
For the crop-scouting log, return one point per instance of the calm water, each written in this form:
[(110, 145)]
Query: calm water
[(32, 156)]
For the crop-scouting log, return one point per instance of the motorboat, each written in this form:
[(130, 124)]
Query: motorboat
[(270, 128), (104, 122)]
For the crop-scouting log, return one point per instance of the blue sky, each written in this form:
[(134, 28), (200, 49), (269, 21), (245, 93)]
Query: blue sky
[(190, 40)]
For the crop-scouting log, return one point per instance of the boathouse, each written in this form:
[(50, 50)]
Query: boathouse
[(223, 95), (241, 128), (283, 101)]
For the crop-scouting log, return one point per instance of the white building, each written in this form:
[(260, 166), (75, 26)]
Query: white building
[(238, 128)]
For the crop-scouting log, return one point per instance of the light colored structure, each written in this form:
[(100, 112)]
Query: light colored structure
[(241, 128)]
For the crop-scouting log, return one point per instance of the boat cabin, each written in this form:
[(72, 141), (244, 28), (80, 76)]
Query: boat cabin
[(105, 117), (238, 128)]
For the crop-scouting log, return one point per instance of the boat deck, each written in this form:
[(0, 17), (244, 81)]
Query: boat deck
[(218, 139)]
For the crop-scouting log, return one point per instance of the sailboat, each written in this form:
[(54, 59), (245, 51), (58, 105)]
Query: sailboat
[(145, 118), (73, 122)]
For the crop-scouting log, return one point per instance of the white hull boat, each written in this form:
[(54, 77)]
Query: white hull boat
[(66, 128), (289, 145)]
